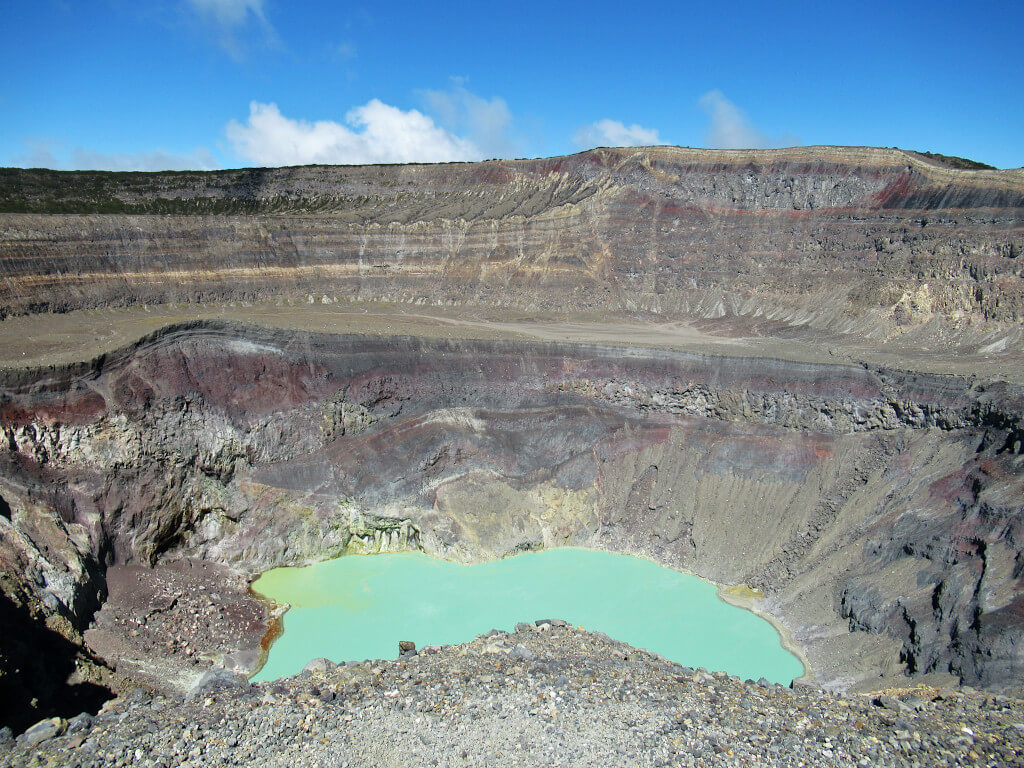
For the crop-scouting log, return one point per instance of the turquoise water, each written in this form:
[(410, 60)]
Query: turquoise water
[(358, 607)]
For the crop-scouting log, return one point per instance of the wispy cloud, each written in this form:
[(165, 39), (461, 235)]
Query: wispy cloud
[(730, 128), (44, 153), (228, 18), (612, 133), (346, 51), (199, 159), (487, 123), (373, 133), (39, 153)]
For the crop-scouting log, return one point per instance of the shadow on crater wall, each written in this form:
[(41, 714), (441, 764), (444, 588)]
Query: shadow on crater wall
[(36, 664)]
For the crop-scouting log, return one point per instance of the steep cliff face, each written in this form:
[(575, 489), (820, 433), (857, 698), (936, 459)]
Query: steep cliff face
[(843, 240), (879, 512)]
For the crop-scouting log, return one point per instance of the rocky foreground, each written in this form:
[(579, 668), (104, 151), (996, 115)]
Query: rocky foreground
[(545, 695)]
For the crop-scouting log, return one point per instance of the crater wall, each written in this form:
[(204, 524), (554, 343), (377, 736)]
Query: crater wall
[(875, 507), (879, 512), (844, 240)]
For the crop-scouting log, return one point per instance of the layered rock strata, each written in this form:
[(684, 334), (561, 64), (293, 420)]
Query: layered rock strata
[(838, 240), (878, 512), (873, 509)]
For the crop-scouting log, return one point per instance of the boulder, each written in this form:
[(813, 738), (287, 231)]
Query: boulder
[(80, 722), (43, 730), (522, 652), (406, 646), (245, 661), (320, 666), (214, 679)]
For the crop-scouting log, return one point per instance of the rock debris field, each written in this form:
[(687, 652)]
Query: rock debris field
[(547, 694)]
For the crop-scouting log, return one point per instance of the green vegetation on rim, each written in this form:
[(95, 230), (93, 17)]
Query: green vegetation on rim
[(951, 161)]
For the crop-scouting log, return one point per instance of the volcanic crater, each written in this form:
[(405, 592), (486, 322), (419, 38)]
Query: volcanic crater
[(792, 372)]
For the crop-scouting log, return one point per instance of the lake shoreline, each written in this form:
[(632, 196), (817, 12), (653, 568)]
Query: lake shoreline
[(424, 598)]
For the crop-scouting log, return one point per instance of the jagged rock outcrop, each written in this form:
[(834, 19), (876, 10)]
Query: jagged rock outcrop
[(50, 586)]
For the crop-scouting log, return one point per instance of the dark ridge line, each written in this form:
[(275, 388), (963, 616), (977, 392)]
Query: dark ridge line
[(941, 160), (95, 366), (228, 192)]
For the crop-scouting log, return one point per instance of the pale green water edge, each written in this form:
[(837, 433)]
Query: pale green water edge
[(359, 607)]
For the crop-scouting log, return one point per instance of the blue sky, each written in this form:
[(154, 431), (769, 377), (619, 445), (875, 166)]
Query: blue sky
[(129, 84)]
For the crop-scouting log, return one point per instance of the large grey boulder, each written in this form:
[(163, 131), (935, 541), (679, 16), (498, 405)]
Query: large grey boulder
[(243, 661)]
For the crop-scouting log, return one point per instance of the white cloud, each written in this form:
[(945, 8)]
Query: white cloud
[(612, 133), (486, 123), (44, 153), (375, 133), (730, 128)]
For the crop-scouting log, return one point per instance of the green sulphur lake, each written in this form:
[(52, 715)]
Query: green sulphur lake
[(359, 607)]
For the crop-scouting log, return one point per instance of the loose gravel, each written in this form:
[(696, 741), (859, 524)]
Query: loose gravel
[(547, 695)]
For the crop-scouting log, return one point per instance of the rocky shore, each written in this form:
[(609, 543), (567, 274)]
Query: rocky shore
[(546, 694)]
